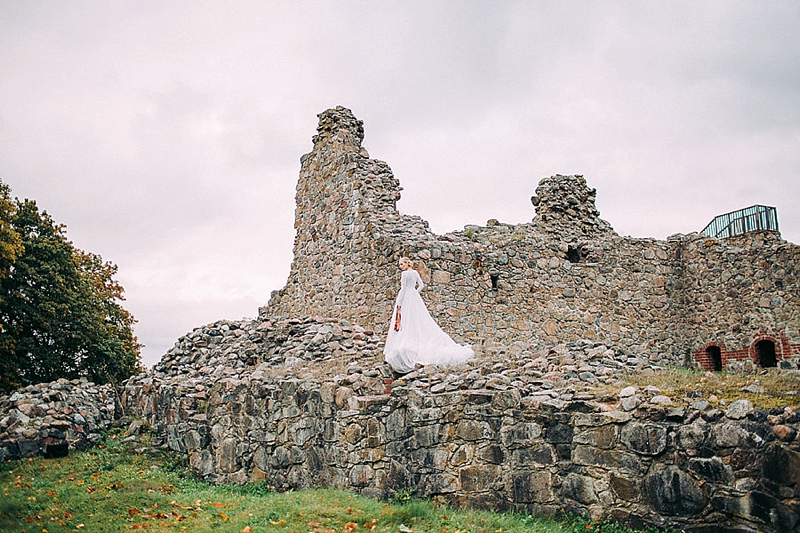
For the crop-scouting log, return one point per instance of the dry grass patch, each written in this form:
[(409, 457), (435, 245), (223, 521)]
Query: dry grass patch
[(773, 388)]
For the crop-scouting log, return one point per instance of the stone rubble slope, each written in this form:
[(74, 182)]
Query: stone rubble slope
[(223, 347), (50, 418)]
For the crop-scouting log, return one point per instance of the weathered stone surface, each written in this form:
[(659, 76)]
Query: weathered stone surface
[(226, 456), (472, 430), (782, 465), (541, 454), (625, 488), (693, 435), (559, 433), (601, 437), (759, 506), (784, 432), (579, 488), (629, 403), (532, 487), (477, 478), (728, 435), (711, 469), (662, 400), (739, 409), (361, 475), (670, 491), (608, 459), (647, 439), (520, 434)]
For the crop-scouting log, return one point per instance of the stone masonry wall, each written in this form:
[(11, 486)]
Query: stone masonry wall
[(565, 276), (739, 291), (493, 447), (51, 418)]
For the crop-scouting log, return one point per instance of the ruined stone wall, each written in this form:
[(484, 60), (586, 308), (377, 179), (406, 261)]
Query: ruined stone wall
[(739, 291), (490, 448), (51, 418), (565, 276), (340, 192), (309, 402)]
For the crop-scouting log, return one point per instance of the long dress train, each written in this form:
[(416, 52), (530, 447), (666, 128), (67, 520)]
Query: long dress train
[(419, 339)]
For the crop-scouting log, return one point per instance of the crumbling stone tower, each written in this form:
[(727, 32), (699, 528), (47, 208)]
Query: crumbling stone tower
[(566, 275)]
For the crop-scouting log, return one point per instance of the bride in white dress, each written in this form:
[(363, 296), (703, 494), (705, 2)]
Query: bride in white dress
[(414, 337)]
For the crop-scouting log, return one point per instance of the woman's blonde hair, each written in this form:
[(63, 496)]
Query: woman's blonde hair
[(405, 260)]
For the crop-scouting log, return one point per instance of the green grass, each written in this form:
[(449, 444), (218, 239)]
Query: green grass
[(111, 489)]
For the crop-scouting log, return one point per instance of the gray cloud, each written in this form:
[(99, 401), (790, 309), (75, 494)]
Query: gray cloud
[(167, 135)]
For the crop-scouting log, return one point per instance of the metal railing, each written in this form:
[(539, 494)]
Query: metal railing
[(749, 219)]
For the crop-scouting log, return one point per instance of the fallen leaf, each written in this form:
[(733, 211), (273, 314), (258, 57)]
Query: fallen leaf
[(350, 526), (224, 517), (133, 511), (247, 529), (217, 504), (79, 526)]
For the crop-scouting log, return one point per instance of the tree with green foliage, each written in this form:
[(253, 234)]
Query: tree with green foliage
[(60, 311), (10, 242)]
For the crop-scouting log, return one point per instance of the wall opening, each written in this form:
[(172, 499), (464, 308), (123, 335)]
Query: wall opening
[(495, 278), (574, 254), (765, 354), (714, 358)]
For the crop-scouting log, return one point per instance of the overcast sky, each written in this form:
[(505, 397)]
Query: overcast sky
[(167, 135)]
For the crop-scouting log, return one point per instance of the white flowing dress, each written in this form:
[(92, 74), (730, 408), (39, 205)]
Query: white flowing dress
[(420, 339)]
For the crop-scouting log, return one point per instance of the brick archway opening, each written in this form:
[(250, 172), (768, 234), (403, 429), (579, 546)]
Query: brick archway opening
[(714, 358), (765, 355)]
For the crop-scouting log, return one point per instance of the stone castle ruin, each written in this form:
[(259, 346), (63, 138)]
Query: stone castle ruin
[(562, 311), (565, 276)]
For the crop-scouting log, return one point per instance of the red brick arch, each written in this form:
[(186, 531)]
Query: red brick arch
[(701, 355), (760, 337)]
